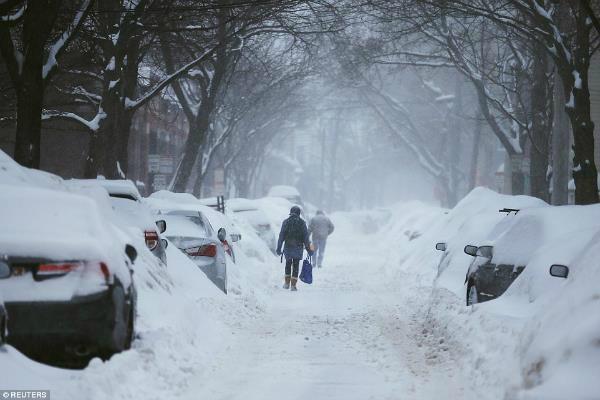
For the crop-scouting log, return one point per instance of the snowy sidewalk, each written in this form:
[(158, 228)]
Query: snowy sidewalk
[(348, 336)]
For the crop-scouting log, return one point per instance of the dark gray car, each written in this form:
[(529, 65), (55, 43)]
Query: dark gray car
[(488, 278), (192, 233)]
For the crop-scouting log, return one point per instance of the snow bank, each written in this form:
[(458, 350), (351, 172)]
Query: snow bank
[(537, 341), (181, 314)]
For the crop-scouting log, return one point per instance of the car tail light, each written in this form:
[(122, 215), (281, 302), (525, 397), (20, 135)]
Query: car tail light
[(208, 250), (57, 268), (151, 238), (54, 270)]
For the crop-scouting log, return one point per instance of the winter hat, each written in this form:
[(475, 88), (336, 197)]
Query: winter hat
[(295, 211)]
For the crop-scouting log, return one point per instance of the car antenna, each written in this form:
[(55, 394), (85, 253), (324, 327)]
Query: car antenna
[(509, 210)]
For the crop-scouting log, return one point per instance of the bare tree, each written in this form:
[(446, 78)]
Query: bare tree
[(33, 36)]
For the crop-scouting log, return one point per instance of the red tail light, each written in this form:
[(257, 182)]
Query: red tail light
[(57, 268), (105, 271), (151, 238), (208, 250)]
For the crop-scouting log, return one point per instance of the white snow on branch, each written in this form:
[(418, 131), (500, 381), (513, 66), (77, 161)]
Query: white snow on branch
[(92, 125), (445, 98), (577, 80), (111, 64), (16, 16), (433, 87), (168, 79), (60, 43)]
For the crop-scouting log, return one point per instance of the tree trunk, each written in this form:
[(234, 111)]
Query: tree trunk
[(40, 17), (585, 173), (560, 147), (196, 134), (475, 154), (540, 124)]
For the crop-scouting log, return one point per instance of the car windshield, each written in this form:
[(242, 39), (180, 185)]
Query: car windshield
[(179, 222)]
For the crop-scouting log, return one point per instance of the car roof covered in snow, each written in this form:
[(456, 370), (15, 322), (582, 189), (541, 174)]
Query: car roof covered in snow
[(518, 237), (51, 224), (241, 204), (283, 191), (12, 173), (122, 187)]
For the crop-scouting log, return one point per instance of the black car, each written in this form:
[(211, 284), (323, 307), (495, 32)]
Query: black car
[(70, 293), (487, 278)]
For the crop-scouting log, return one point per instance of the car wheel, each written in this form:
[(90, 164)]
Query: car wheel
[(130, 327), (224, 281), (118, 339), (3, 331), (472, 295)]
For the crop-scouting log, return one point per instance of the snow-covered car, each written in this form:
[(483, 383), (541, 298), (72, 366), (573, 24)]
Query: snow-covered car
[(487, 280), (289, 193), (540, 238), (70, 291), (191, 232), (251, 213), (4, 273), (132, 213)]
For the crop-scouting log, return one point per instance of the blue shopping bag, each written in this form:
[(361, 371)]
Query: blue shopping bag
[(306, 273)]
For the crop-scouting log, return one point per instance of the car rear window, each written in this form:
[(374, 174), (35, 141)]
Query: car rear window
[(123, 196)]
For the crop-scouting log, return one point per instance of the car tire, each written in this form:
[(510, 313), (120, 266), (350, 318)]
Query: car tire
[(130, 327), (3, 331), (472, 295), (118, 336)]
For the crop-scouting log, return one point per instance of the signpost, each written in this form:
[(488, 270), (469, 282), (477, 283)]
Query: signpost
[(159, 182)]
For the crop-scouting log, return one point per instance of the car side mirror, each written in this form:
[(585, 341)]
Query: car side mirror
[(440, 246), (471, 250), (559, 271), (131, 252), (222, 234), (161, 225), (4, 270), (165, 243)]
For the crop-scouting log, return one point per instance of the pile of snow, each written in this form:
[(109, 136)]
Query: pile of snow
[(183, 319), (539, 340)]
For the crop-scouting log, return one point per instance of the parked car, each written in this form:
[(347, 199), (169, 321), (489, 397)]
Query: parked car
[(70, 290), (133, 213), (191, 232), (4, 273), (251, 213), (289, 193)]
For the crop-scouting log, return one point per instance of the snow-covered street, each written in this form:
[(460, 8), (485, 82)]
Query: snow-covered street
[(354, 334)]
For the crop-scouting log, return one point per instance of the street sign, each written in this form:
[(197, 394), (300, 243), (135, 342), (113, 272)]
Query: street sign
[(153, 163), (166, 165), (159, 182)]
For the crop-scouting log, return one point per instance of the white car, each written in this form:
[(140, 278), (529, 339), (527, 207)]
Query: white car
[(132, 213), (289, 193), (250, 211), (70, 290)]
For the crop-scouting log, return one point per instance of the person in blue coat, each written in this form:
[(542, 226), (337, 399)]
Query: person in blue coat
[(294, 239)]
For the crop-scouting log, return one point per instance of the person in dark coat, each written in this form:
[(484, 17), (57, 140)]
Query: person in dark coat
[(321, 227), (294, 239)]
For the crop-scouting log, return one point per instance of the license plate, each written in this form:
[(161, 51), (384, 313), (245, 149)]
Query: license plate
[(18, 271)]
